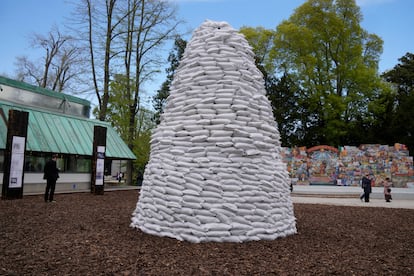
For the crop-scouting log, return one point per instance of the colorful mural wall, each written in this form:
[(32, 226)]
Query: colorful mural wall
[(325, 165)]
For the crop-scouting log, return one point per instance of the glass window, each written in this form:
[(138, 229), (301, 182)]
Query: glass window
[(78, 164), (34, 163)]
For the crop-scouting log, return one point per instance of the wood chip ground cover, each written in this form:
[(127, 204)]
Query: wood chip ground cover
[(86, 234)]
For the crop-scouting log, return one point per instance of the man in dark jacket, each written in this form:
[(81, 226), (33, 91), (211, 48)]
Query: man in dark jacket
[(51, 174), (366, 185)]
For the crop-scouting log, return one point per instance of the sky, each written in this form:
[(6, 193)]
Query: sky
[(392, 20)]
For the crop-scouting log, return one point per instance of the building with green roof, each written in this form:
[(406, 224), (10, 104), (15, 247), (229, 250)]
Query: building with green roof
[(58, 123)]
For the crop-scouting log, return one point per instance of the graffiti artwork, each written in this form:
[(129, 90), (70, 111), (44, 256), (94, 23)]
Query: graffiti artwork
[(325, 165)]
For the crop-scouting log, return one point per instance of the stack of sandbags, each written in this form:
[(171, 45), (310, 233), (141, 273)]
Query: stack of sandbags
[(215, 171)]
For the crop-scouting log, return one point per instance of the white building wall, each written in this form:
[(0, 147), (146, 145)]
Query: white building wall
[(68, 182)]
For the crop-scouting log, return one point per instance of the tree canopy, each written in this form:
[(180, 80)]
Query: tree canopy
[(399, 122), (174, 58), (331, 64)]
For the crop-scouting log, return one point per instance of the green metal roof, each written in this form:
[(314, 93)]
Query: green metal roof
[(50, 132)]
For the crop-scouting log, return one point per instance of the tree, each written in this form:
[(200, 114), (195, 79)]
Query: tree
[(174, 58), (119, 114), (101, 28), (402, 113), (59, 65), (333, 62), (142, 142), (288, 109), (261, 40), (283, 93), (154, 24), (125, 38)]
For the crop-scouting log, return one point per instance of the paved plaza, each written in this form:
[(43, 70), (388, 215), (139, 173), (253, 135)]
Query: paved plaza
[(349, 196)]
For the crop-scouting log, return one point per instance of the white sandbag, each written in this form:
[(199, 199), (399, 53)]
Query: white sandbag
[(207, 219), (199, 138), (240, 226), (167, 216), (230, 206), (216, 227), (231, 186), (193, 184), (201, 132), (152, 228), (184, 210), (175, 180), (192, 205), (191, 198), (212, 188), (192, 149), (152, 214), (219, 234), (210, 193), (190, 238), (263, 145), (192, 126), (159, 191), (185, 218), (238, 107), (251, 152), (174, 192), (241, 133), (220, 121), (224, 144), (221, 133)]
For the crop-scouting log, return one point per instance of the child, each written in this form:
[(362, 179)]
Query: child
[(387, 189)]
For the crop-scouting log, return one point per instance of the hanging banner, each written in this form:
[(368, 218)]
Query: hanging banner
[(17, 162), (98, 160), (100, 165)]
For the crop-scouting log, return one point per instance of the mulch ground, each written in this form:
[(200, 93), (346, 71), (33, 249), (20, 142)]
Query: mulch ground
[(86, 234)]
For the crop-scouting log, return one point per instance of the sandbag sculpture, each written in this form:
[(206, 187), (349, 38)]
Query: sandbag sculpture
[(215, 172)]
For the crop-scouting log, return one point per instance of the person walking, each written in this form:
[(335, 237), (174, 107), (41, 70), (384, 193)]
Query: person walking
[(51, 174), (387, 189), (366, 185)]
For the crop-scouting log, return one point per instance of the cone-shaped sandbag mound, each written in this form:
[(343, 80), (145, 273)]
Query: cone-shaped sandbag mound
[(215, 171)]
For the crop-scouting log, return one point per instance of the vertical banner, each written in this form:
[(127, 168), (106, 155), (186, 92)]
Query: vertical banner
[(98, 160), (17, 162), (14, 157), (100, 164)]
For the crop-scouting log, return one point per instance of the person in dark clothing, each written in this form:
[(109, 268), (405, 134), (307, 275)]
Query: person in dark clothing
[(51, 174), (387, 189), (366, 185)]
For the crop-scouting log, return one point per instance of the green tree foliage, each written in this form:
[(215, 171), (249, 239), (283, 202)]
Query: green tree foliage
[(261, 40), (287, 108), (334, 65), (142, 141), (401, 113), (280, 92), (118, 113), (174, 58), (142, 152)]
